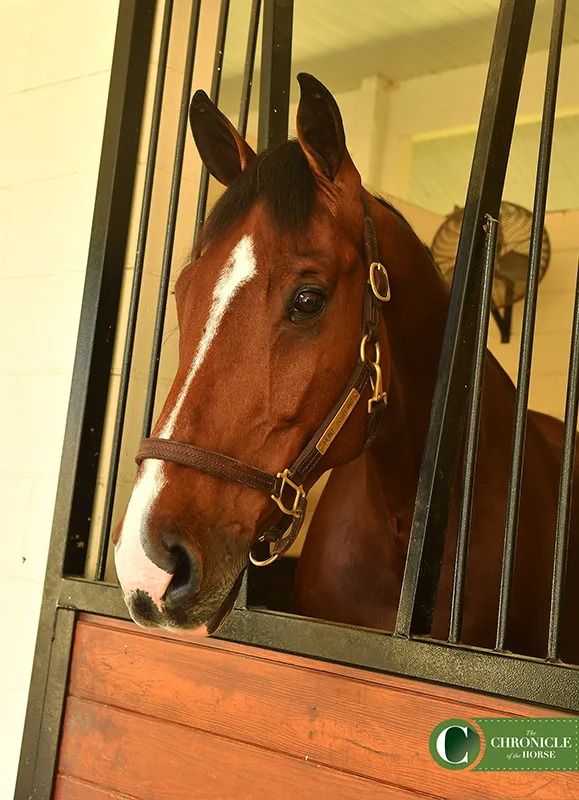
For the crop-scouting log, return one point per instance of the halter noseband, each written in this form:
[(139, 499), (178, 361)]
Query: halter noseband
[(281, 486)]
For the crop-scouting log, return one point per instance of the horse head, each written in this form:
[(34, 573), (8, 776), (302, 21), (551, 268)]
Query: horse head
[(270, 313)]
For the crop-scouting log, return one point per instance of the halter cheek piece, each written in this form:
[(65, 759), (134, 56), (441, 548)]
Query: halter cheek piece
[(286, 488)]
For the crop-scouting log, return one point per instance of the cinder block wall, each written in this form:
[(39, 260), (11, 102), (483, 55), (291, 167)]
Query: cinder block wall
[(55, 60)]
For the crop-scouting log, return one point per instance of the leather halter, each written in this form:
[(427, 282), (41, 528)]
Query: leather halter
[(281, 486)]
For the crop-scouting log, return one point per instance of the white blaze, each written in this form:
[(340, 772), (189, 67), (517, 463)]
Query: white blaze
[(134, 568), (238, 270)]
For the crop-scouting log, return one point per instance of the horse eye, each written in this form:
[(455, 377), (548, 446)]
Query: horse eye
[(308, 302)]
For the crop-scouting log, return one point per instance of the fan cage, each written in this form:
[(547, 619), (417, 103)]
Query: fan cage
[(512, 255)]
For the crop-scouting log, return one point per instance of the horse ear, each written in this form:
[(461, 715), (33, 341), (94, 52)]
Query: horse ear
[(223, 151), (320, 128)]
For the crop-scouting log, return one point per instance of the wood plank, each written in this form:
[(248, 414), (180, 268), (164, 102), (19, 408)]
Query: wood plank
[(376, 726), (487, 704), (124, 752), (67, 788)]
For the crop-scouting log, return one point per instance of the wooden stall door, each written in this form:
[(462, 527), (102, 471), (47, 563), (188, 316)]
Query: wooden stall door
[(153, 717)]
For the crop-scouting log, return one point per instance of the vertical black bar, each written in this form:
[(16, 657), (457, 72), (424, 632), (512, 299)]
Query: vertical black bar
[(94, 349), (444, 438), (171, 219), (565, 486), (524, 376), (105, 268), (274, 94), (46, 757), (214, 94), (135, 294), (249, 67), (472, 433), (276, 61)]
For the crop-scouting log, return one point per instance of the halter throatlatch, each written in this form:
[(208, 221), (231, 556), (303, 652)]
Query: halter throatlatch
[(286, 488)]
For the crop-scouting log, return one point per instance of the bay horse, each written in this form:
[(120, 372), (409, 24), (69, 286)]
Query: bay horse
[(311, 319)]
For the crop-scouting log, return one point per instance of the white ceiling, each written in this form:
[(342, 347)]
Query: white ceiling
[(344, 41), (399, 39)]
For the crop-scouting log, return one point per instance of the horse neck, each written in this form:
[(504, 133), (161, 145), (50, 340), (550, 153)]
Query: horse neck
[(415, 318)]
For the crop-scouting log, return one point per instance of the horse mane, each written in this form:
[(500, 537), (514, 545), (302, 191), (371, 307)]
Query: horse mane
[(283, 178)]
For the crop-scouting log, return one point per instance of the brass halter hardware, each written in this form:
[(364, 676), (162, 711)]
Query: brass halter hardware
[(266, 561), (378, 393), (299, 493), (290, 512), (376, 265)]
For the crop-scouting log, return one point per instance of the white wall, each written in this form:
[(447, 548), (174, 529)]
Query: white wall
[(414, 139), (554, 309), (553, 322), (449, 103), (55, 60), (438, 107)]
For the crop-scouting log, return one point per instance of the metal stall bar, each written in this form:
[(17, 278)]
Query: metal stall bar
[(524, 375), (276, 62), (214, 94), (444, 438), (171, 218), (135, 293), (104, 279), (472, 433), (46, 760), (565, 487), (90, 381), (249, 67), (273, 123)]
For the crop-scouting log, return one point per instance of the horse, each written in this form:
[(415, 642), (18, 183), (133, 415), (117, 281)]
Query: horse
[(311, 319)]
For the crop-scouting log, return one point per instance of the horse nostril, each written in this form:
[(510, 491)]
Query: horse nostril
[(186, 578), (183, 569)]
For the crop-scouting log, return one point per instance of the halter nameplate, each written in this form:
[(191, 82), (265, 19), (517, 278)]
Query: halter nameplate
[(338, 422)]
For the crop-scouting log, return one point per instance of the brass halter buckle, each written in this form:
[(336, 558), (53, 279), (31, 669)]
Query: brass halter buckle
[(377, 266), (299, 494), (378, 393), (291, 512), (265, 561)]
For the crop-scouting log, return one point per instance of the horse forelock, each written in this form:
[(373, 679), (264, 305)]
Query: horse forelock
[(282, 177)]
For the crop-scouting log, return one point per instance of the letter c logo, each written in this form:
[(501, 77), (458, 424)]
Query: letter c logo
[(441, 744), (455, 744)]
